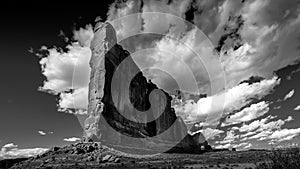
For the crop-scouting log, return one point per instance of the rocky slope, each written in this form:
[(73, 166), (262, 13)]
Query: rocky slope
[(126, 110), (7, 163), (96, 155)]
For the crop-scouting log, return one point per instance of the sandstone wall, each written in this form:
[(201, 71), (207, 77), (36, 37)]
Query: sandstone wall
[(118, 88)]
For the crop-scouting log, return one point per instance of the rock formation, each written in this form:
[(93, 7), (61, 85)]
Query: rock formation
[(126, 110)]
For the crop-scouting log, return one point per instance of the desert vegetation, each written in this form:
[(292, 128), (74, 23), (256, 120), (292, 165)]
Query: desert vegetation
[(288, 158)]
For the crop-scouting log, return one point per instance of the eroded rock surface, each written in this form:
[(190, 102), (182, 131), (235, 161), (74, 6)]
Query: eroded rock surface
[(117, 89), (95, 155)]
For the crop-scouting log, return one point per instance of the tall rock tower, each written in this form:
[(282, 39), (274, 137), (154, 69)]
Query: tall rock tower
[(118, 90)]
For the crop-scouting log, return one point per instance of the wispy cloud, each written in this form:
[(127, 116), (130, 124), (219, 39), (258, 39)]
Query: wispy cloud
[(247, 114), (72, 139), (42, 133), (58, 67), (210, 133), (276, 107), (243, 145), (9, 145), (289, 95), (231, 137), (265, 129), (230, 141), (284, 135), (235, 98), (297, 108), (11, 150)]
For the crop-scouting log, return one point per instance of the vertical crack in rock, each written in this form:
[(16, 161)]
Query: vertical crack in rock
[(106, 124)]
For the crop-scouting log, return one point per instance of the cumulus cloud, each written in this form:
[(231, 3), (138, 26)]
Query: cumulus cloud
[(297, 108), (243, 145), (265, 129), (225, 146), (231, 137), (248, 146), (58, 67), (42, 133), (9, 145), (210, 133), (284, 135), (290, 118), (144, 22), (84, 35), (67, 73), (239, 64), (11, 150), (263, 124), (72, 139), (289, 95), (235, 98), (267, 42), (247, 114)]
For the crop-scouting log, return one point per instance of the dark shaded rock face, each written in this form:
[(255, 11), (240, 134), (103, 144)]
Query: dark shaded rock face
[(118, 88)]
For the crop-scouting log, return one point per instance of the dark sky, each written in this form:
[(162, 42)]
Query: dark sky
[(25, 110)]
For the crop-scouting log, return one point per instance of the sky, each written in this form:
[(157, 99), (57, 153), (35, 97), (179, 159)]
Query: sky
[(42, 99)]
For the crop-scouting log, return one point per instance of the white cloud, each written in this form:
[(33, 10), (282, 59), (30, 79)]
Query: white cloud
[(268, 43), (67, 71), (277, 107), (243, 146), (284, 135), (12, 151), (76, 100), (42, 133), (244, 136), (265, 129), (290, 118), (248, 146), (235, 128), (144, 22), (264, 124), (239, 65), (289, 95), (271, 41), (59, 67), (235, 98), (84, 35), (297, 108), (225, 146), (247, 114), (231, 137), (9, 145), (210, 133), (72, 139)]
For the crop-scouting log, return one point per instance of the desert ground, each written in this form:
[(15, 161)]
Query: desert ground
[(95, 155)]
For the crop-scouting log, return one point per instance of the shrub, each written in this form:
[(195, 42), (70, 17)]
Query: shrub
[(282, 159)]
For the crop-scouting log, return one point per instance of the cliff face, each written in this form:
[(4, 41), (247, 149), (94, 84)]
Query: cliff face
[(124, 108)]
